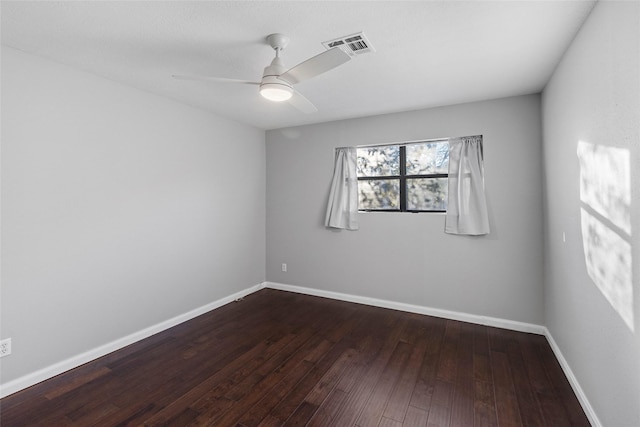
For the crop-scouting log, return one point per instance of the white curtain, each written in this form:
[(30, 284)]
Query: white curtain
[(466, 206), (342, 209)]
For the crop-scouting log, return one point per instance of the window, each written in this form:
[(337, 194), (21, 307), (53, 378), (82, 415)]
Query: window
[(409, 177)]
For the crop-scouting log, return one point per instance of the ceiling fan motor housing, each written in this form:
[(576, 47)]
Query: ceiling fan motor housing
[(272, 87)]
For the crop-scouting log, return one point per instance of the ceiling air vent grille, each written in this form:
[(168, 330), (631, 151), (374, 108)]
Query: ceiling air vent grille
[(354, 44)]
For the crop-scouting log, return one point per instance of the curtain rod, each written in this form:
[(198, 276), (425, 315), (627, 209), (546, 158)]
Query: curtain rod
[(386, 144)]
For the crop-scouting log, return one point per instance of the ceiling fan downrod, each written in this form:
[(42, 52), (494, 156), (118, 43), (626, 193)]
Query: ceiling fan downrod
[(271, 86)]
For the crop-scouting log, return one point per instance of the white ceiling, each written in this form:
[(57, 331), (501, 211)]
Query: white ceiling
[(428, 53)]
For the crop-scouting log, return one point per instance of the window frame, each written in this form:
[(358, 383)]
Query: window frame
[(403, 177)]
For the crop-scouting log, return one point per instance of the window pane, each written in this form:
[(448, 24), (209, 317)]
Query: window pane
[(427, 194), (379, 161), (382, 194), (428, 158)]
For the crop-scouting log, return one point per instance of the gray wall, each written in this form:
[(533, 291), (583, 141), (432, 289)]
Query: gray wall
[(405, 257), (120, 210), (594, 97)]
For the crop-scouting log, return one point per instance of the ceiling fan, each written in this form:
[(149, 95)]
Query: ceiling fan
[(277, 81)]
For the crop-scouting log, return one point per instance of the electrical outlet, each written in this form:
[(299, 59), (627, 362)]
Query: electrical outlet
[(5, 347), (284, 267)]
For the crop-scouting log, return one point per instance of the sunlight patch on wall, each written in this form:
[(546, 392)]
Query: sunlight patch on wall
[(605, 193)]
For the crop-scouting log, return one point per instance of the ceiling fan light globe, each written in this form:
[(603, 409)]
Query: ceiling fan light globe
[(276, 92)]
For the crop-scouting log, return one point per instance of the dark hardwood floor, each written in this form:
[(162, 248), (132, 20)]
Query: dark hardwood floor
[(278, 358)]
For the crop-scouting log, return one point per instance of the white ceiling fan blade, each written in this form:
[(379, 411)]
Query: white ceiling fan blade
[(302, 103), (214, 79), (316, 65)]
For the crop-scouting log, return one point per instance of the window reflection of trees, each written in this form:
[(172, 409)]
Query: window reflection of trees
[(427, 194), (379, 161), (420, 160), (379, 194), (427, 158)]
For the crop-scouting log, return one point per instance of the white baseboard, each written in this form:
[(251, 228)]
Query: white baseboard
[(575, 385), (80, 359), (429, 311)]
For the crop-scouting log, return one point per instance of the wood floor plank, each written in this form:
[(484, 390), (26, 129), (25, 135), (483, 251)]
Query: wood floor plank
[(462, 406), (416, 417), (442, 394), (484, 405), (352, 338), (447, 363), (289, 404), (424, 387), (270, 421), (330, 378), (398, 402), (481, 362), (301, 416), (274, 367), (77, 382), (388, 422), (563, 391), (439, 416), (278, 358), (374, 408), (211, 386), (326, 412), (507, 409), (262, 408), (269, 375), (530, 410), (358, 395)]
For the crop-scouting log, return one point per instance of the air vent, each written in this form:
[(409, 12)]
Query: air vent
[(354, 44)]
